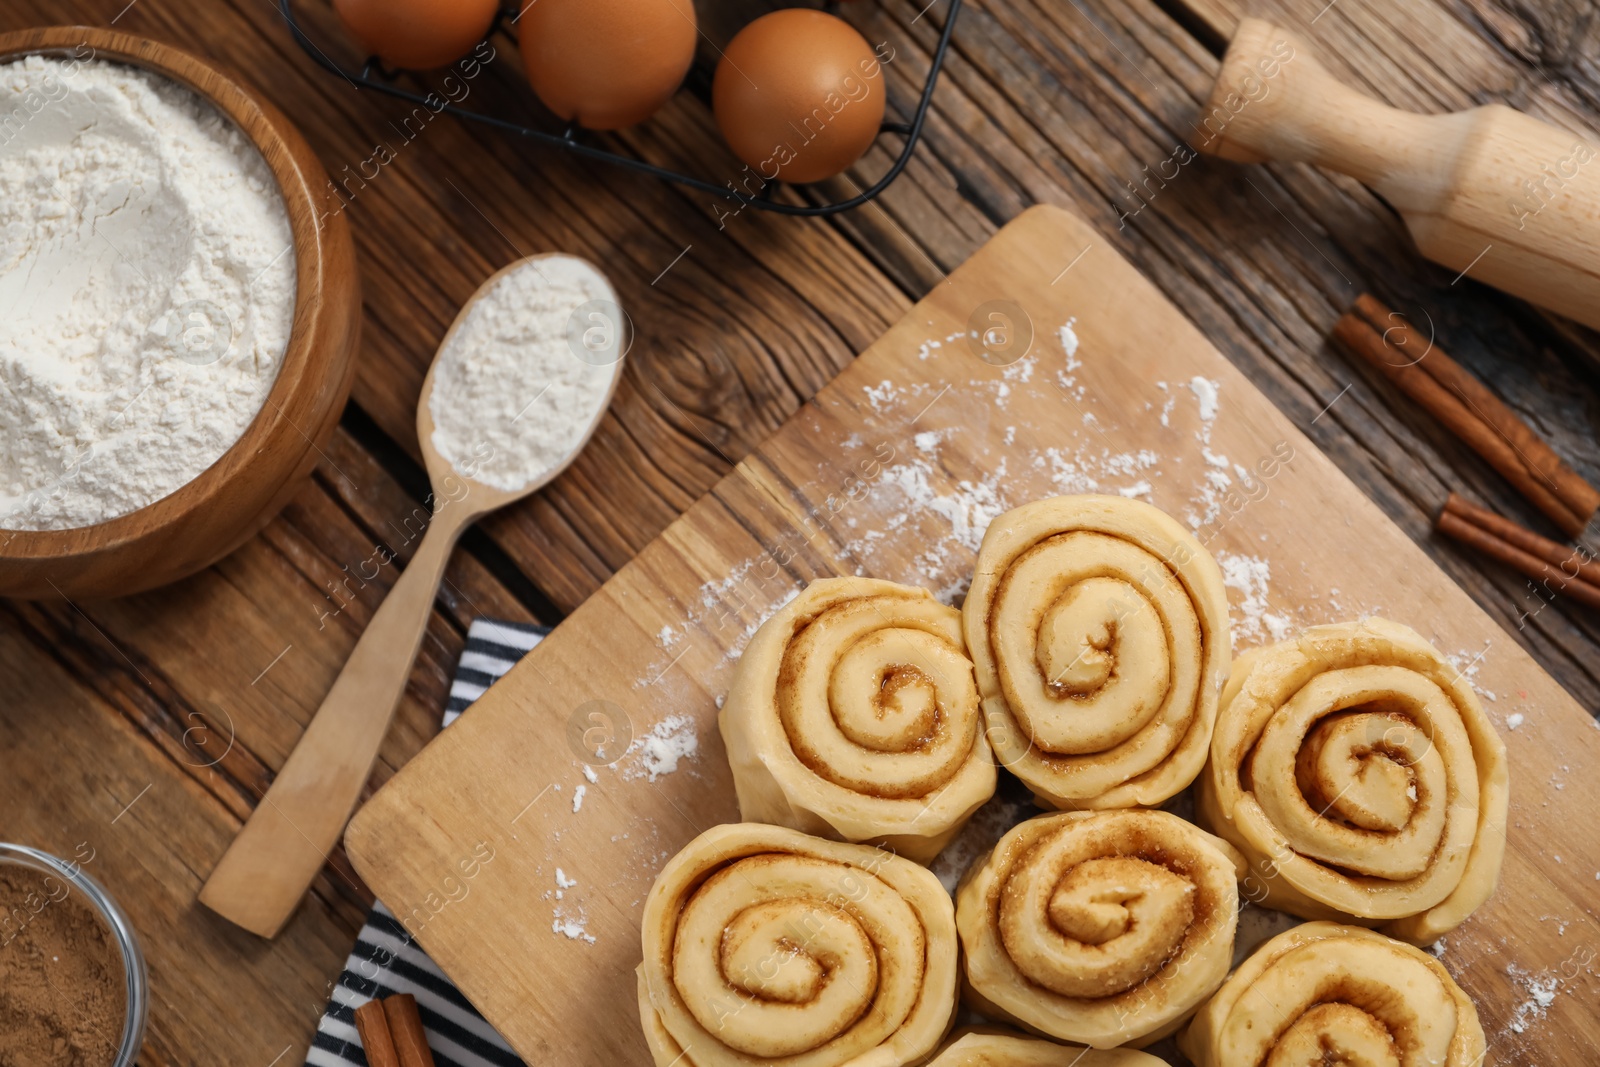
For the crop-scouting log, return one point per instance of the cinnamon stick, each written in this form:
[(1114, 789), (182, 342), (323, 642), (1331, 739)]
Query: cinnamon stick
[(1469, 410), (406, 1025), (372, 1023), (1452, 525), (1578, 495), (1570, 561)]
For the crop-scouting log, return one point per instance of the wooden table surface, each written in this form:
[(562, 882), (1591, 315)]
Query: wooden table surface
[(146, 728)]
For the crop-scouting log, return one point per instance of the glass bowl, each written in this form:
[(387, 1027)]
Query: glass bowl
[(138, 992)]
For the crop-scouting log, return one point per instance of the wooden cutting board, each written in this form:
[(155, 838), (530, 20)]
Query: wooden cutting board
[(893, 471)]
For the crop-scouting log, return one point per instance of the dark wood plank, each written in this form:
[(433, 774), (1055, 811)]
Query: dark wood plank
[(79, 773), (204, 686), (1042, 101)]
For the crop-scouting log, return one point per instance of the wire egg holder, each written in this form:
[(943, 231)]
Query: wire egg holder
[(373, 76)]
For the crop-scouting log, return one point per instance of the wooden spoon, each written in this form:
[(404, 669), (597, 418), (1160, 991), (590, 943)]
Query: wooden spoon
[(270, 865)]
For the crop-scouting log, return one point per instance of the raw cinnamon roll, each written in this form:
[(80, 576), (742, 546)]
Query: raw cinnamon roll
[(853, 715), (1357, 771), (1099, 630), (1106, 928), (763, 944), (1326, 993), (978, 1048)]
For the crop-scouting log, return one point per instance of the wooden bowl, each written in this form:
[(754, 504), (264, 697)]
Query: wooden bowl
[(238, 494)]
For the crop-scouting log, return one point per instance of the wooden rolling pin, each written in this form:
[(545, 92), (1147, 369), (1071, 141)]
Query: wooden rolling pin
[(1490, 192)]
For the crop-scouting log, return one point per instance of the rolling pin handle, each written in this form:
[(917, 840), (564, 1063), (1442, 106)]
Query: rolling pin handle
[(1274, 101)]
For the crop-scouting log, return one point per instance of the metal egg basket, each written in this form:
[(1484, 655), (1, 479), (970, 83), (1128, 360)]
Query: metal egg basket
[(373, 76)]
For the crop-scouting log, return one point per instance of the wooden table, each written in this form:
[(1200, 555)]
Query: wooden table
[(148, 727)]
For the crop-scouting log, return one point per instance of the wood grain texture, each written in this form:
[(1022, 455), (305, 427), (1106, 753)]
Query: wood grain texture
[(891, 472), (203, 687), (79, 776)]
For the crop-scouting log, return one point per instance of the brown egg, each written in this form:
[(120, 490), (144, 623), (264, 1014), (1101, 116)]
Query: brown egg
[(606, 64), (417, 34), (799, 95)]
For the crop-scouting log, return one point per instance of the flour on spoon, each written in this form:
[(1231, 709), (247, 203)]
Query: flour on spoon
[(521, 378)]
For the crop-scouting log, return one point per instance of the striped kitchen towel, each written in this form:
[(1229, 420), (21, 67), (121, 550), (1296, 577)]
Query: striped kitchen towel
[(385, 959)]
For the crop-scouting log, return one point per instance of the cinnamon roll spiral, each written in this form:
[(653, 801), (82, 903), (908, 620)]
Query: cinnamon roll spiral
[(1099, 630), (762, 945), (979, 1048), (853, 715), (1327, 993), (1105, 928), (1357, 771)]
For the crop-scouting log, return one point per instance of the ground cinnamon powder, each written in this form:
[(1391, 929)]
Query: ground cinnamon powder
[(63, 990)]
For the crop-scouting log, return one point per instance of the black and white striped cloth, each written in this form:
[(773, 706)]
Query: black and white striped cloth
[(385, 959)]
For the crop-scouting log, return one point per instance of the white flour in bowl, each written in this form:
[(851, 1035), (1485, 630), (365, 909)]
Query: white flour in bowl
[(146, 289), (526, 372)]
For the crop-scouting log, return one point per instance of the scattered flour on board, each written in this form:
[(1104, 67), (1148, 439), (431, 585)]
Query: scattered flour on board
[(571, 926), (1205, 394), (657, 753), (1468, 663), (933, 344), (577, 798), (1081, 471), (745, 589), (1214, 482), (1067, 377), (566, 920), (880, 395), (1541, 991), (1069, 343), (1514, 720), (590, 776), (1250, 576), (968, 509), (1021, 370)]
